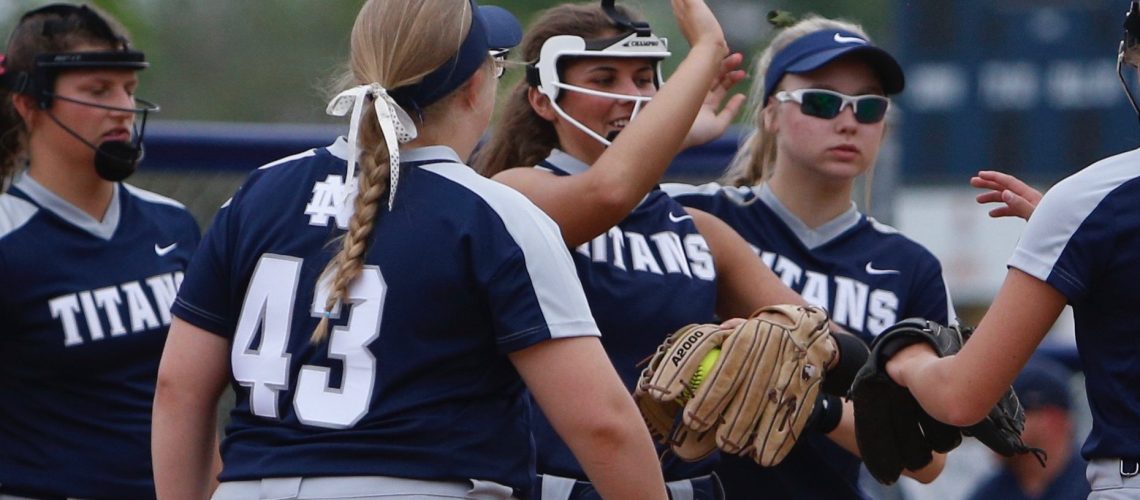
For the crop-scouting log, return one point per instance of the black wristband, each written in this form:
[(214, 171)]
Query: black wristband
[(827, 413), (853, 355)]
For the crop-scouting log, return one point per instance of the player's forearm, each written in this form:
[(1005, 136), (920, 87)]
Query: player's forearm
[(620, 459), (930, 379), (645, 148), (183, 446), (613, 445), (844, 433), (744, 283), (191, 377)]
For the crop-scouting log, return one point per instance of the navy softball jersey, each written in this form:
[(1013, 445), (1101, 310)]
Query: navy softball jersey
[(644, 278), (864, 273), (1084, 241), (85, 308), (414, 380)]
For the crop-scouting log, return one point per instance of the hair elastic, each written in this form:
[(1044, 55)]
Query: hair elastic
[(395, 123)]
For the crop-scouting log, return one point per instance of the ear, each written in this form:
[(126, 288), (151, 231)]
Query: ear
[(470, 93), (541, 105), (769, 116), (25, 107)]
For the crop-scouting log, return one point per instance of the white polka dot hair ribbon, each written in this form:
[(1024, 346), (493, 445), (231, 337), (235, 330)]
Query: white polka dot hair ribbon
[(395, 123)]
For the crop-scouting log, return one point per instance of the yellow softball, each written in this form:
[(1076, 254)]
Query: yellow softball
[(698, 378)]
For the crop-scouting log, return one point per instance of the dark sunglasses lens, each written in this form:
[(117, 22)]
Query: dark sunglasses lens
[(821, 104), (870, 109)]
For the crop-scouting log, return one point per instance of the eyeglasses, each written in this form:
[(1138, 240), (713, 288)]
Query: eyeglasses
[(499, 59), (828, 104)]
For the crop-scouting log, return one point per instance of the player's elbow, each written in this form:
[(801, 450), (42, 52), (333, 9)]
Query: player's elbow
[(170, 395), (174, 393), (165, 389), (613, 198), (619, 427), (958, 406), (963, 415)]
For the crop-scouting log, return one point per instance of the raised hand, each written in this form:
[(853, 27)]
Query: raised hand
[(716, 114), (698, 23), (1019, 198)]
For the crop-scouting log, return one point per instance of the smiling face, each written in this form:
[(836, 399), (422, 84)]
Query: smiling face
[(603, 115), (835, 149)]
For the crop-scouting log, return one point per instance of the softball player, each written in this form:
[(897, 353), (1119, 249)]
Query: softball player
[(89, 266), (1078, 248), (393, 364), (819, 121), (649, 266)]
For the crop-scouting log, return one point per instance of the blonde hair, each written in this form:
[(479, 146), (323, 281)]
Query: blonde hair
[(523, 138), (757, 153), (394, 43)]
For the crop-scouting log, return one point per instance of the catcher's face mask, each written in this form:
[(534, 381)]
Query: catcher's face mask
[(636, 41), (1129, 52), (114, 160)]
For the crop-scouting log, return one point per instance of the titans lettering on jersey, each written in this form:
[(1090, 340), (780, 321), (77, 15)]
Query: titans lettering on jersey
[(1084, 240), (413, 380), (866, 274), (644, 278), (660, 253), (147, 307), (85, 311)]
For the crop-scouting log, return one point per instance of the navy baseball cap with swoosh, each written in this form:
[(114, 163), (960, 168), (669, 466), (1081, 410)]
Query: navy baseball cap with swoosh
[(814, 50), (492, 29)]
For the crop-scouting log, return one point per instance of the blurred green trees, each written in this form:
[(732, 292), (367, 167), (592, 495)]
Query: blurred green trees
[(271, 60)]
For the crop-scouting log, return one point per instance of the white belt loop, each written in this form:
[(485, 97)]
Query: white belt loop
[(1129, 467), (489, 490), (680, 490), (280, 488), (556, 488)]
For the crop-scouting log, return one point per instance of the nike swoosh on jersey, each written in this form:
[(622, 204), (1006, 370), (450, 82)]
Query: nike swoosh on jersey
[(676, 218), (871, 270), (848, 39), (160, 251)]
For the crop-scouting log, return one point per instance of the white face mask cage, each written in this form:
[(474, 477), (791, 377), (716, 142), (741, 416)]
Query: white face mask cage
[(633, 45), (1129, 52)]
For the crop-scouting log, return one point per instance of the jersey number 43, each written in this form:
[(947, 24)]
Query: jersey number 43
[(266, 316)]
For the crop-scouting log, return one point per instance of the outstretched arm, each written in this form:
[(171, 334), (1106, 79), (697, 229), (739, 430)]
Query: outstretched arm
[(744, 282), (588, 204), (961, 389), (1019, 198), (586, 402)]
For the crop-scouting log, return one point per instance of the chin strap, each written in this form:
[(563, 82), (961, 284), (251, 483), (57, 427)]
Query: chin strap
[(395, 123), (114, 160)]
